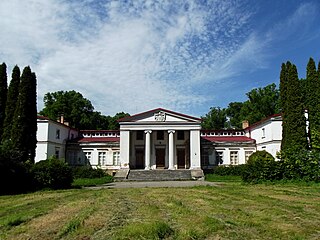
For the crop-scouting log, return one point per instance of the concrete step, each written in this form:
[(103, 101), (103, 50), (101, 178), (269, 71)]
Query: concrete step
[(159, 175)]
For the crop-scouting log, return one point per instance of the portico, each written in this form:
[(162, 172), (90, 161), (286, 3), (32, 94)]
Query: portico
[(160, 139)]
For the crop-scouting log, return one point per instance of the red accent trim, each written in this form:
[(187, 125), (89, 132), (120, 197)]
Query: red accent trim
[(100, 131), (262, 121), (228, 139), (128, 119), (99, 139)]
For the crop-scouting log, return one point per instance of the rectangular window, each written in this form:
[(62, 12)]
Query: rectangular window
[(102, 158), (205, 157), (219, 157), (263, 133), (247, 155), (180, 135), (160, 135), (57, 152), (139, 135), (116, 158), (234, 158), (58, 134), (87, 157)]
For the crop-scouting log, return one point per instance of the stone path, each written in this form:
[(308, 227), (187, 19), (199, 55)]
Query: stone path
[(154, 184)]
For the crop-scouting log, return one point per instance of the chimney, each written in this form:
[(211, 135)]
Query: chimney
[(245, 124), (62, 119)]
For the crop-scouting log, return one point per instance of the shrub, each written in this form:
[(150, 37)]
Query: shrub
[(87, 172), (52, 173), (224, 170), (261, 166)]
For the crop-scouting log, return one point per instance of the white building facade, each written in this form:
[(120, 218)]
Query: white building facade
[(156, 139)]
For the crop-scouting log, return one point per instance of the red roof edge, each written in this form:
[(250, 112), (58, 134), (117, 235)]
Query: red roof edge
[(46, 118), (127, 119), (263, 120)]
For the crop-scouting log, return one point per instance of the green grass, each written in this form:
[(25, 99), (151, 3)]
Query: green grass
[(218, 178), (86, 182), (230, 211)]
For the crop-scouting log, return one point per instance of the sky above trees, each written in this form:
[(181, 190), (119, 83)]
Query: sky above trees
[(133, 56)]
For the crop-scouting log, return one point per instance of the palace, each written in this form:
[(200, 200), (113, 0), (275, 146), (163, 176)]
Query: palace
[(157, 139)]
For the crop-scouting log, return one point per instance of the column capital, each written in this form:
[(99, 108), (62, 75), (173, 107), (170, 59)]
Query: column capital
[(171, 131), (147, 131)]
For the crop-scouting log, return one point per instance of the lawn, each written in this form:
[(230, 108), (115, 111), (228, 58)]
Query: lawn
[(230, 211)]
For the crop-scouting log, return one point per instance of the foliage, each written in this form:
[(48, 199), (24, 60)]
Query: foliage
[(78, 111), (313, 104), (3, 94), (233, 111), (261, 166), (52, 173), (24, 128), (232, 170), (294, 123), (12, 98), (87, 172), (225, 178), (215, 119)]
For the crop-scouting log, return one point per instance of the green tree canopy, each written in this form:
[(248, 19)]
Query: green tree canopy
[(3, 94), (216, 118)]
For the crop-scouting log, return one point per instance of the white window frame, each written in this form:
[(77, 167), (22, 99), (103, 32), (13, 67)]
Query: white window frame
[(102, 156), (234, 158), (116, 158)]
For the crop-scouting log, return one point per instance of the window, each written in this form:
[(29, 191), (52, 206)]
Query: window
[(180, 135), (101, 158), (160, 135), (219, 157), (116, 158), (263, 133), (57, 152), (87, 157), (247, 155), (58, 134), (205, 157), (234, 158), (139, 135)]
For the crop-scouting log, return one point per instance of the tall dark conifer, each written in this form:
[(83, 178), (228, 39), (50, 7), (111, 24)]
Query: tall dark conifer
[(3, 94), (24, 127), (294, 119), (283, 101), (313, 104), (13, 93)]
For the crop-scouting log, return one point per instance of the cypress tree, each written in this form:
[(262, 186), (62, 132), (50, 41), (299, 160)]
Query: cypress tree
[(313, 104), (294, 120), (24, 127), (3, 94), (13, 93), (283, 101)]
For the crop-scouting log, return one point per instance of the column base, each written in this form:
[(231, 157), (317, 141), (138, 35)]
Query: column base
[(147, 168)]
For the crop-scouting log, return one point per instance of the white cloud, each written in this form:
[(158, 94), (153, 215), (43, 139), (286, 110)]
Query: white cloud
[(121, 56)]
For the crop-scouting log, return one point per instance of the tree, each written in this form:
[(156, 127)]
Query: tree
[(75, 108), (3, 94), (113, 123), (233, 111), (23, 134), (215, 119), (313, 104), (294, 122), (283, 101), (12, 98)]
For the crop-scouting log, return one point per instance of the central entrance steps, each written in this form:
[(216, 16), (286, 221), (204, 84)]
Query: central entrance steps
[(164, 175)]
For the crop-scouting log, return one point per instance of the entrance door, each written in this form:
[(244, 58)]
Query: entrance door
[(140, 159), (181, 157), (160, 157)]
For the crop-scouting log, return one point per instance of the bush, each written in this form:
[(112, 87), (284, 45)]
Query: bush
[(87, 172), (231, 170), (261, 166), (52, 173)]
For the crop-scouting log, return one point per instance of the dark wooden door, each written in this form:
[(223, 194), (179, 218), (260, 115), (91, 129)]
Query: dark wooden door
[(181, 157), (160, 157), (139, 159)]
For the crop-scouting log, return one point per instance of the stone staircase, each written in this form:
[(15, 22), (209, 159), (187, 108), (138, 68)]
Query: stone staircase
[(159, 175)]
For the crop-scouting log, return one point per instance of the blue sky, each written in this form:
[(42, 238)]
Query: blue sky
[(133, 56)]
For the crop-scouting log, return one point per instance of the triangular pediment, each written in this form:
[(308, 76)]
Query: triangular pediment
[(160, 115)]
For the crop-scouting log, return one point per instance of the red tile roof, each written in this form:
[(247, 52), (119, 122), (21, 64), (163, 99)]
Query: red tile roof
[(228, 139), (99, 139), (263, 121)]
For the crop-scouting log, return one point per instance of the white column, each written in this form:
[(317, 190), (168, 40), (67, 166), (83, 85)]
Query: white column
[(147, 149), (124, 148), (171, 149), (195, 162)]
